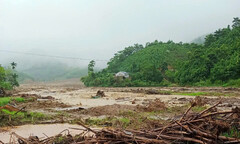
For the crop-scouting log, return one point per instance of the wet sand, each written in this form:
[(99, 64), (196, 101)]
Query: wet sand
[(42, 131)]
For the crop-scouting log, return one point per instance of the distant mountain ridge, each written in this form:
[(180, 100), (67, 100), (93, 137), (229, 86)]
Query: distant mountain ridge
[(51, 72)]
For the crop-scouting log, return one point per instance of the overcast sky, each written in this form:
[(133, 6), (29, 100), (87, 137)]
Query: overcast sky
[(96, 29)]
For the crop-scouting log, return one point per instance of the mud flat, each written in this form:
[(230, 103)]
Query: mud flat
[(42, 131), (72, 94)]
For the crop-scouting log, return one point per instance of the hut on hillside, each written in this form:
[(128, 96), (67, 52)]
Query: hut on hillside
[(122, 74)]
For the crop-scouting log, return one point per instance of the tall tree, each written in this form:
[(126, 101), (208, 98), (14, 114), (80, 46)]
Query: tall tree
[(91, 66), (236, 22), (13, 64)]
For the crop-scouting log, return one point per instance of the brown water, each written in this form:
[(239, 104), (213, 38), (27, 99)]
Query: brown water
[(38, 130), (73, 92), (82, 97)]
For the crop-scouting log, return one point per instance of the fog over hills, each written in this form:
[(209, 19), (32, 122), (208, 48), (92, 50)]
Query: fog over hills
[(97, 29)]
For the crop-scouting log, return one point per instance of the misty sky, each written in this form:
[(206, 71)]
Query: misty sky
[(96, 29)]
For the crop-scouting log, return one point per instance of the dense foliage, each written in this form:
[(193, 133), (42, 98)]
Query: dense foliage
[(8, 79), (158, 63), (217, 62), (148, 65)]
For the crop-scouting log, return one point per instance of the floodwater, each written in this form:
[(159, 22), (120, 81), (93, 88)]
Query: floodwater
[(82, 97), (72, 92), (42, 131)]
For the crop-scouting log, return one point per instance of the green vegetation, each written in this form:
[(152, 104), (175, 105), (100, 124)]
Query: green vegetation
[(235, 83), (148, 65), (137, 119), (18, 117), (19, 99), (214, 63), (109, 121), (61, 140), (194, 93), (13, 118), (6, 100), (204, 94), (8, 78), (199, 108), (232, 133)]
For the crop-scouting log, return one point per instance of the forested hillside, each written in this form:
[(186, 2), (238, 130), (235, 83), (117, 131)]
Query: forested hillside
[(216, 62)]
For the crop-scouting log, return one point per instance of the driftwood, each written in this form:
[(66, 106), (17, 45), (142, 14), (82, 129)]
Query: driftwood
[(205, 127)]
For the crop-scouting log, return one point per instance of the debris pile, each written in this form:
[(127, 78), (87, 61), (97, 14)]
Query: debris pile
[(9, 108), (200, 101), (205, 127), (155, 105), (35, 96), (99, 94), (154, 91)]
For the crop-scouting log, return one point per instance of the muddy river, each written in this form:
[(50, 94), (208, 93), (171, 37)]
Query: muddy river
[(42, 131), (78, 95)]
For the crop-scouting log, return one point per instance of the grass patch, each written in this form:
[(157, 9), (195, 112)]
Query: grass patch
[(193, 94), (141, 120), (19, 99), (13, 118), (204, 94), (232, 83), (122, 122), (61, 140), (132, 119), (6, 100), (232, 133), (126, 119)]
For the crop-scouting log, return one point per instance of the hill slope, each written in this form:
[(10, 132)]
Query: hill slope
[(216, 62), (147, 65)]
